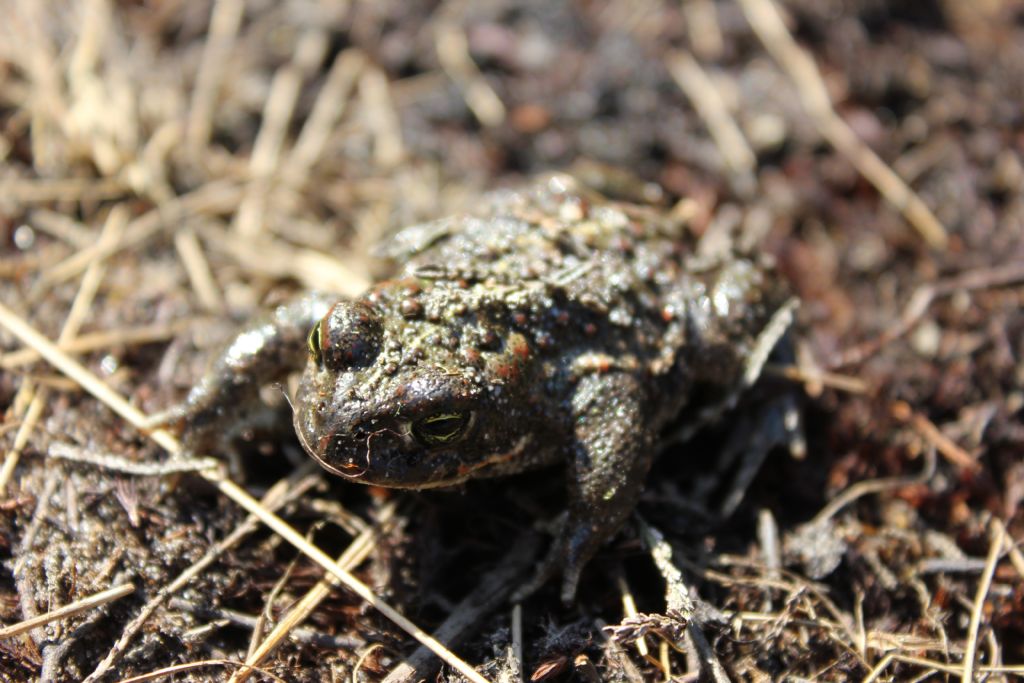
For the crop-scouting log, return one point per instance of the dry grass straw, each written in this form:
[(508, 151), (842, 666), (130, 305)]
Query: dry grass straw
[(766, 21), (71, 609), (708, 102)]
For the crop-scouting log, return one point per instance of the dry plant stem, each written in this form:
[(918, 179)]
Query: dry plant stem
[(768, 25), (615, 653), (69, 610), (278, 495), (169, 671), (934, 436), (629, 609), (702, 28), (104, 339), (708, 103), (453, 54), (118, 404), (869, 486), (314, 269), (517, 639), (327, 111), (664, 662), (277, 113), (994, 551), (38, 515), (224, 23), (935, 667), (249, 621), (771, 549), (969, 281), (114, 463), (1014, 553), (350, 558), (47, 105), (198, 268), (108, 238), (876, 640), (851, 385), (39, 191), (61, 227), (375, 93), (492, 590), (677, 599)]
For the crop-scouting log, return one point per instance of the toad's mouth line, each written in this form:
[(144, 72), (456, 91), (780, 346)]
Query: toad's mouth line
[(465, 471)]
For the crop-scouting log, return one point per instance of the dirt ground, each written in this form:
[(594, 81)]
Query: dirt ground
[(168, 167)]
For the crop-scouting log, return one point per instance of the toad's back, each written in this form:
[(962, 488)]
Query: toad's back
[(600, 285)]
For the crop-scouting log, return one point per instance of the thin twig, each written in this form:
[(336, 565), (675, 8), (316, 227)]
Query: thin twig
[(709, 104), (301, 634), (69, 610), (327, 110), (198, 269), (937, 667), (485, 597), (224, 23), (919, 302), (679, 602), (764, 18), (629, 609), (702, 27), (115, 463), (381, 117), (902, 411), (45, 190), (277, 114), (852, 385), (453, 54), (169, 671), (994, 551), (517, 639), (102, 339), (213, 197), (869, 486), (1014, 553)]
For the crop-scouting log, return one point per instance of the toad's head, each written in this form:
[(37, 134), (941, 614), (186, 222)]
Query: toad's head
[(398, 393)]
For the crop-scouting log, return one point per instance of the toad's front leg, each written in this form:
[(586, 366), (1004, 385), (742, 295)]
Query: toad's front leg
[(612, 452), (267, 349)]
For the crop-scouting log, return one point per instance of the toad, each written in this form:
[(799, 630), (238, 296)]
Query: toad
[(547, 325)]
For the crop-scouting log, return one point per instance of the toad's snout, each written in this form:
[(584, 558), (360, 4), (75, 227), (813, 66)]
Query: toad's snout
[(334, 454), (356, 452)]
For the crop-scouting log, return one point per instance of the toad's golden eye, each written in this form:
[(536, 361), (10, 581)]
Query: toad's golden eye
[(440, 429), (313, 343)]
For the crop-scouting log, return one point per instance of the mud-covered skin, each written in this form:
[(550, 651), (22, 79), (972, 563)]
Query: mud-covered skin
[(549, 325)]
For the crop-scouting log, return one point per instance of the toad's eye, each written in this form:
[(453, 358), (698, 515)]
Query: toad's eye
[(313, 343), (439, 429)]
